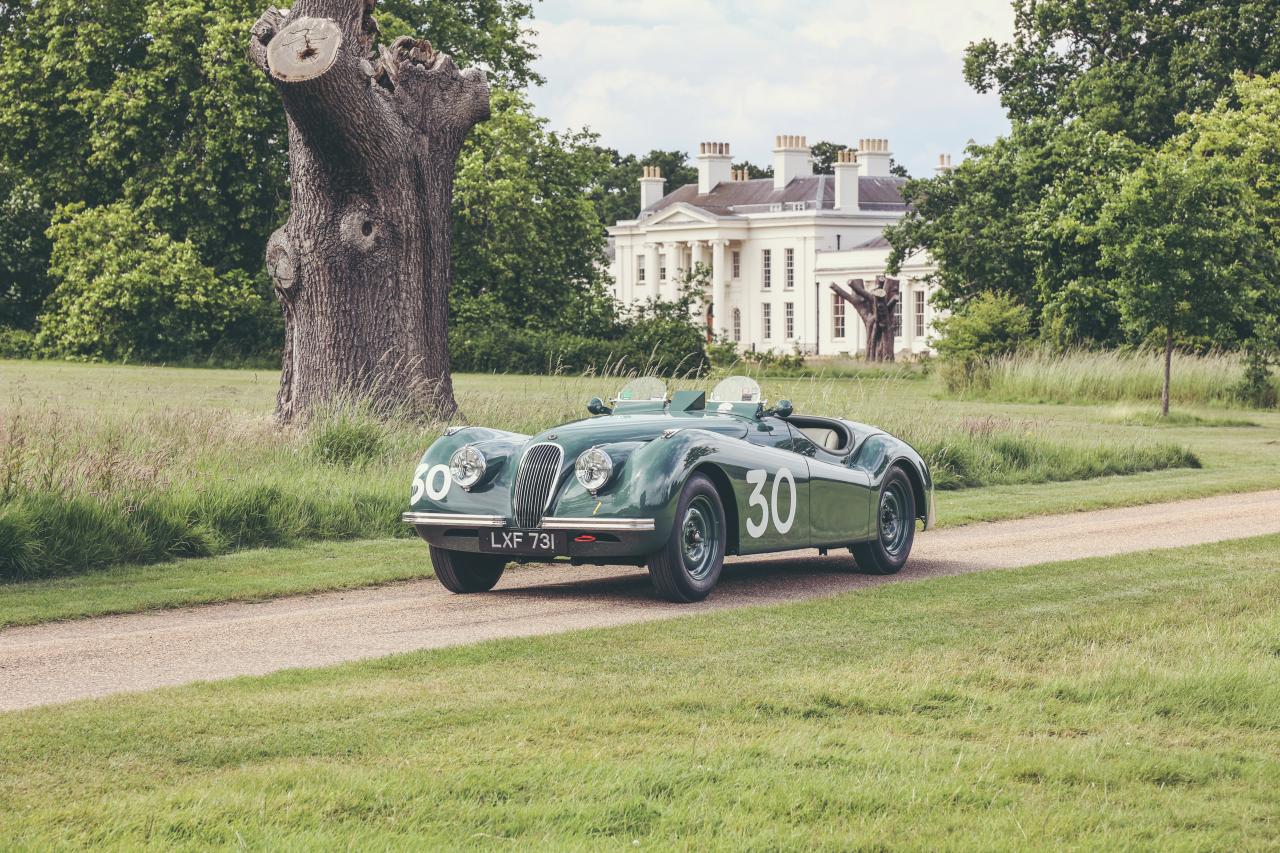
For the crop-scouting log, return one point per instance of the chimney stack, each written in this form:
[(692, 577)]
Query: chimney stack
[(790, 160), (847, 170), (651, 187), (874, 154), (715, 166), (944, 164)]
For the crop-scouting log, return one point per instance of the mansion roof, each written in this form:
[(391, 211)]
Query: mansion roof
[(808, 193)]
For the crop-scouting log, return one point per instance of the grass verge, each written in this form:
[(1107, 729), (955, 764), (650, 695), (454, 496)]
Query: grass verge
[(1120, 702), (89, 481)]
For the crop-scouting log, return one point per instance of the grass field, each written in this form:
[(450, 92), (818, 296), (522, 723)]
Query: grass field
[(1114, 703), (105, 465)]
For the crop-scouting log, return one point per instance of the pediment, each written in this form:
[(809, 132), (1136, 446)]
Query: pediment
[(681, 214)]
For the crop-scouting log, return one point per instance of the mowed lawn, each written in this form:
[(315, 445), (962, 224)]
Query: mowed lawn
[(1111, 703)]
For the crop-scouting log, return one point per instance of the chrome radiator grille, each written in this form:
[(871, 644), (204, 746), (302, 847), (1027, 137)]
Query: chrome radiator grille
[(539, 473)]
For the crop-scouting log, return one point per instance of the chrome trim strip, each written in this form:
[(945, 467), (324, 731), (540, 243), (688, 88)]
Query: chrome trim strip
[(444, 519), (641, 524)]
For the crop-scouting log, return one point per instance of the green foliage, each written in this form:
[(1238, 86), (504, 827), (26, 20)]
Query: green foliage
[(657, 337), (17, 343), (153, 105), (127, 291), (528, 248), (1092, 90), (1126, 68), (987, 327), (617, 195), (1181, 236), (1258, 388)]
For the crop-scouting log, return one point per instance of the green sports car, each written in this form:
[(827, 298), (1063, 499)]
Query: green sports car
[(672, 482)]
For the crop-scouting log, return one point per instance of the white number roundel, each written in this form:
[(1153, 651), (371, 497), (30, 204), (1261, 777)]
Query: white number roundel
[(769, 506), (432, 482)]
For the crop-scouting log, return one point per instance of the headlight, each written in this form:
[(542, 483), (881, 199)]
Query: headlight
[(467, 466), (593, 469)]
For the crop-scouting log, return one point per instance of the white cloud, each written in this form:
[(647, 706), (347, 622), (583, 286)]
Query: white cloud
[(673, 73)]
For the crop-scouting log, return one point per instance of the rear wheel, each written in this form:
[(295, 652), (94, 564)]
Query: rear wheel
[(895, 528), (463, 572), (689, 565)]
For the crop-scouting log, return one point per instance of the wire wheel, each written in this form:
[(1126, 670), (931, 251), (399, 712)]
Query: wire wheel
[(699, 537), (894, 518)]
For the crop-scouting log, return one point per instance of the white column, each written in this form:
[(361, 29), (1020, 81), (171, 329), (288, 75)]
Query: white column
[(719, 307), (699, 253), (674, 262), (650, 272)]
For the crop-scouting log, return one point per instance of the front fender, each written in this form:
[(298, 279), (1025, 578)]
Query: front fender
[(647, 483), (433, 488)]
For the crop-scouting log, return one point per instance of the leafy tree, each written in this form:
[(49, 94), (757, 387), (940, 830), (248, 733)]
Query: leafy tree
[(127, 291), (753, 171), (617, 196), (528, 247), (1127, 67), (24, 249), (153, 103), (823, 155), (1182, 238), (1091, 89), (986, 327)]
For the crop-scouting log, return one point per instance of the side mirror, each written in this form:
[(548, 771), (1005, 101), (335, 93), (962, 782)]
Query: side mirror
[(597, 407), (784, 409)]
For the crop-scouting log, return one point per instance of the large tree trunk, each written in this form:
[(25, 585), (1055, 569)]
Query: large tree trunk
[(876, 308), (362, 267)]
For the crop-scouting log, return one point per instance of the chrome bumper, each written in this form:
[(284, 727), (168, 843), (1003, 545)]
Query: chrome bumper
[(444, 519), (448, 519)]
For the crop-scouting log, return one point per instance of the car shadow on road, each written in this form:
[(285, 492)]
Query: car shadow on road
[(764, 579)]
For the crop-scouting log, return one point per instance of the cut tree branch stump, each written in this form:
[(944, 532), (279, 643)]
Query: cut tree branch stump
[(877, 308)]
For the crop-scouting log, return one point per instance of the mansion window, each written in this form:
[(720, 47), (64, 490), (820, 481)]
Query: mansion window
[(662, 267), (639, 269), (766, 263), (919, 313), (766, 320), (897, 319), (737, 264), (737, 325), (837, 316), (791, 269), (789, 317)]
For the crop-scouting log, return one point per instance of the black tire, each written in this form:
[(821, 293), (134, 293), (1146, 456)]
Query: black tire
[(895, 528), (463, 572), (689, 565)]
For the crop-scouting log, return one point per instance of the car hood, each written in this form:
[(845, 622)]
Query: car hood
[(612, 429)]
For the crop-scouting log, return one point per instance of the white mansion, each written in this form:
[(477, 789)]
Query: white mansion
[(774, 246)]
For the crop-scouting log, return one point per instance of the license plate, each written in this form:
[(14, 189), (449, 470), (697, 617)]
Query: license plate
[(528, 543)]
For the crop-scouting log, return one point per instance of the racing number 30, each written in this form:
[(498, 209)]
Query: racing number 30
[(769, 506)]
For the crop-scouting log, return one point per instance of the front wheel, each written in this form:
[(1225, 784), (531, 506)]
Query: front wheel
[(689, 565), (895, 528), (463, 572)]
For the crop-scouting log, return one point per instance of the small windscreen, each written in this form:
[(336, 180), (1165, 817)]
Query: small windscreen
[(736, 389), (646, 388)]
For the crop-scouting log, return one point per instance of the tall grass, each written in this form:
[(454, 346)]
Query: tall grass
[(88, 486), (1104, 377)]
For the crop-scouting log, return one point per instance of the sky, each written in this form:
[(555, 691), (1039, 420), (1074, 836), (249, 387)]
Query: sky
[(669, 74)]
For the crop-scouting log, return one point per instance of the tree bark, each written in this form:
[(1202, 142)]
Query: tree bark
[(362, 267), (1168, 372), (876, 308)]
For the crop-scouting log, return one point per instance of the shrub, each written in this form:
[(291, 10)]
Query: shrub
[(1257, 388), (17, 343), (127, 292), (988, 327)]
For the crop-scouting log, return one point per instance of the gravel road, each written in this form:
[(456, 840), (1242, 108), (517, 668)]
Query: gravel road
[(60, 662)]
